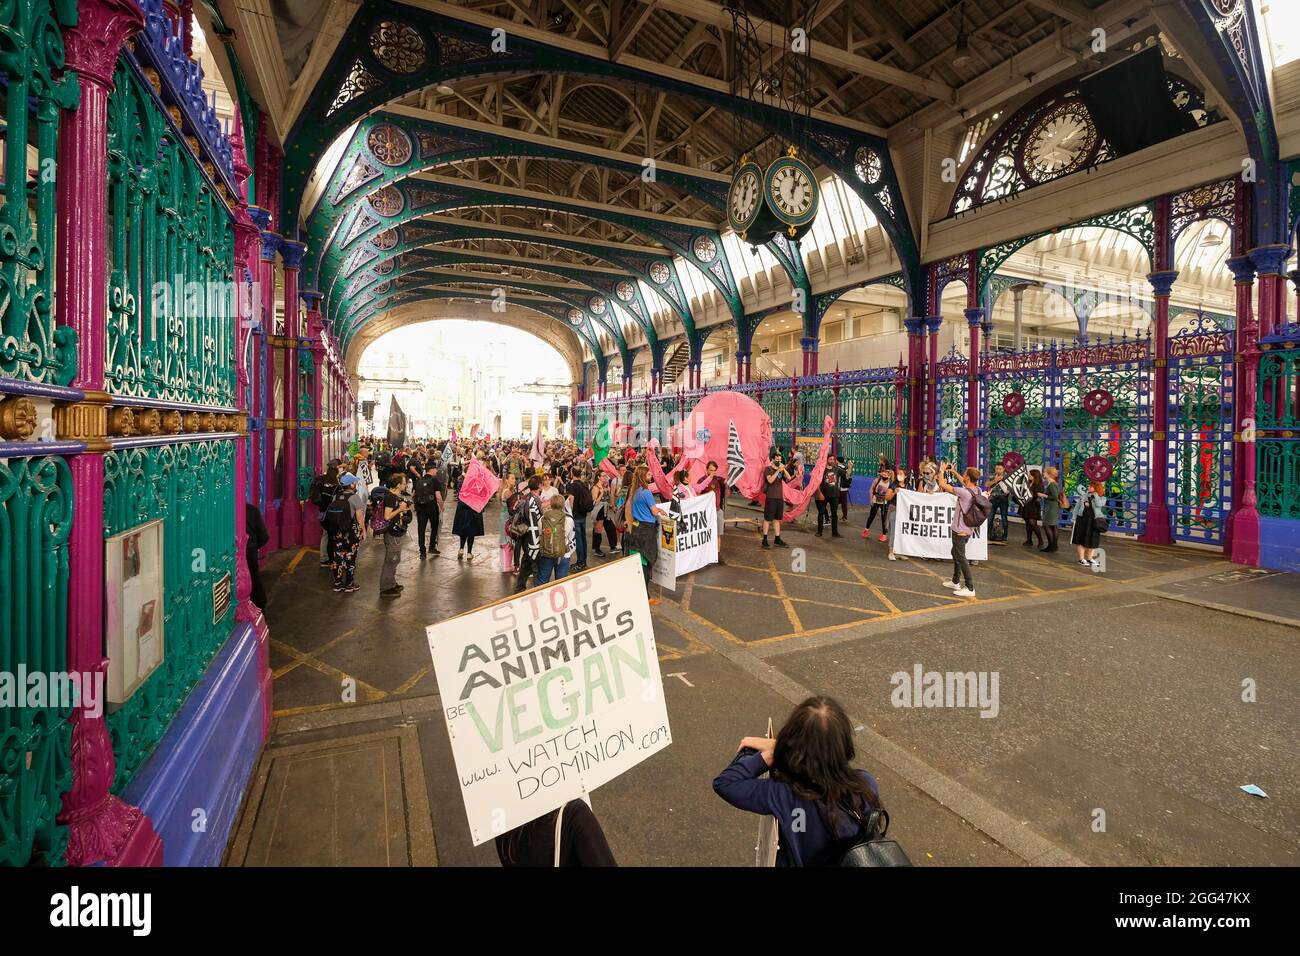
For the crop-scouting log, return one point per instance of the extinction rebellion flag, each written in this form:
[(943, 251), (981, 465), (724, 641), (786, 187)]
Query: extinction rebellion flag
[(735, 456)]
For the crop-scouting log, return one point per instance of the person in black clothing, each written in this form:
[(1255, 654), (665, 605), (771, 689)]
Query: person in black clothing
[(529, 543), (582, 841), (321, 493), (428, 507), (257, 538), (828, 500), (579, 494), (846, 479), (774, 479)]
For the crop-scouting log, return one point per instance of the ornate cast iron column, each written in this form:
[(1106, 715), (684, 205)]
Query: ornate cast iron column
[(974, 319), (101, 828), (1242, 532), (809, 346), (291, 252), (933, 323), (1158, 530), (915, 360), (264, 284)]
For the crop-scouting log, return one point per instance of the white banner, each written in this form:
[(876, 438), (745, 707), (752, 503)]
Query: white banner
[(697, 533), (922, 527), (549, 694)]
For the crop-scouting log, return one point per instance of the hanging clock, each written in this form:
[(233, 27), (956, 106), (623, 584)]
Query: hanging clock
[(745, 204), (791, 193)]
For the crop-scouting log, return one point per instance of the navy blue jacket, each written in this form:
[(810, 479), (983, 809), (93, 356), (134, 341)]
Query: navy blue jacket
[(812, 843)]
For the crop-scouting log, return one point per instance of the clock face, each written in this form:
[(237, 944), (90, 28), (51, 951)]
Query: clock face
[(1058, 144), (792, 192), (743, 202)]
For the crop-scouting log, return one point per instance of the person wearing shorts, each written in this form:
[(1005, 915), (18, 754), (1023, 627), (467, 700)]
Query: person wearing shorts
[(774, 479)]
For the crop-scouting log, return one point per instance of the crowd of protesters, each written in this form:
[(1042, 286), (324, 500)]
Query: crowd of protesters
[(557, 507)]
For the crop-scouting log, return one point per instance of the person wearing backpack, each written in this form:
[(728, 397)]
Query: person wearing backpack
[(579, 491), (428, 493), (819, 799), (321, 493), (345, 522), (558, 545), (972, 510)]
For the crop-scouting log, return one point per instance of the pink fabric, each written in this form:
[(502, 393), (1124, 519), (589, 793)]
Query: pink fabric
[(796, 500), (609, 468), (478, 486), (663, 483), (704, 433)]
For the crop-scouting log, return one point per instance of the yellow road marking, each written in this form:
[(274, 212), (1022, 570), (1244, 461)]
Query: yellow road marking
[(785, 598), (841, 607), (880, 595), (302, 552), (371, 692)]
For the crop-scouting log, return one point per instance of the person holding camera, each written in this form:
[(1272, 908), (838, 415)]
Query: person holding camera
[(397, 517), (819, 799), (965, 486), (774, 479)]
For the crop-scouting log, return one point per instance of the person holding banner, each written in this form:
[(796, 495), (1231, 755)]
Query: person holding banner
[(642, 534), (581, 841), (714, 484), (966, 493)]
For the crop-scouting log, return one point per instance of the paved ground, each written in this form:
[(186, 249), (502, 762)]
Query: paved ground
[(1121, 734)]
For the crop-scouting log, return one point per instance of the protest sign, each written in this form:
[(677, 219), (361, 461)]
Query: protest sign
[(664, 571), (550, 693), (922, 526), (697, 534), (478, 486)]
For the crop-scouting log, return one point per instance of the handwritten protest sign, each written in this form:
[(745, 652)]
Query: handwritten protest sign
[(549, 694)]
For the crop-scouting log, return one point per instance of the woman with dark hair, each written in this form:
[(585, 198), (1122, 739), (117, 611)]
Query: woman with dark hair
[(1032, 511), (818, 798)]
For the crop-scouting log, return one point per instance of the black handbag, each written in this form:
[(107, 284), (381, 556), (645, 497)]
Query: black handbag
[(871, 848)]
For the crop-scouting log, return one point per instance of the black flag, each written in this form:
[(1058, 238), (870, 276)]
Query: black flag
[(396, 424)]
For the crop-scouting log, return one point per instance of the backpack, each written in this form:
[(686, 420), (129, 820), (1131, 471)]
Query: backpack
[(337, 517), (582, 499), (870, 848), (519, 525), (553, 534), (426, 489), (378, 523), (978, 512)]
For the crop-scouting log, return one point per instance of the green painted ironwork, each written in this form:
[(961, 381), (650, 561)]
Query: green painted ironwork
[(1200, 434), (32, 91), (869, 425), (190, 487), (777, 402), (35, 768), (170, 324), (1277, 480)]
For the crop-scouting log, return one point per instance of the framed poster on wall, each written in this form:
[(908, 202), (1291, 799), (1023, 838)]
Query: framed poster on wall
[(133, 608)]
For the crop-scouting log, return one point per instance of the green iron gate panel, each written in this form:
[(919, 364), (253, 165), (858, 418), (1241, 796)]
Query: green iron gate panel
[(31, 346), (1018, 399), (1105, 425), (637, 418), (582, 429), (951, 422), (1200, 432), (816, 402), (1277, 418), (170, 327), (190, 486), (777, 402), (870, 424), (35, 770), (663, 416)]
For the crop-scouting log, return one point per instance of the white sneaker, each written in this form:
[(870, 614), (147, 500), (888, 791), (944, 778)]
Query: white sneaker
[(964, 592), (892, 558), (1095, 562), (1084, 562), (951, 584)]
